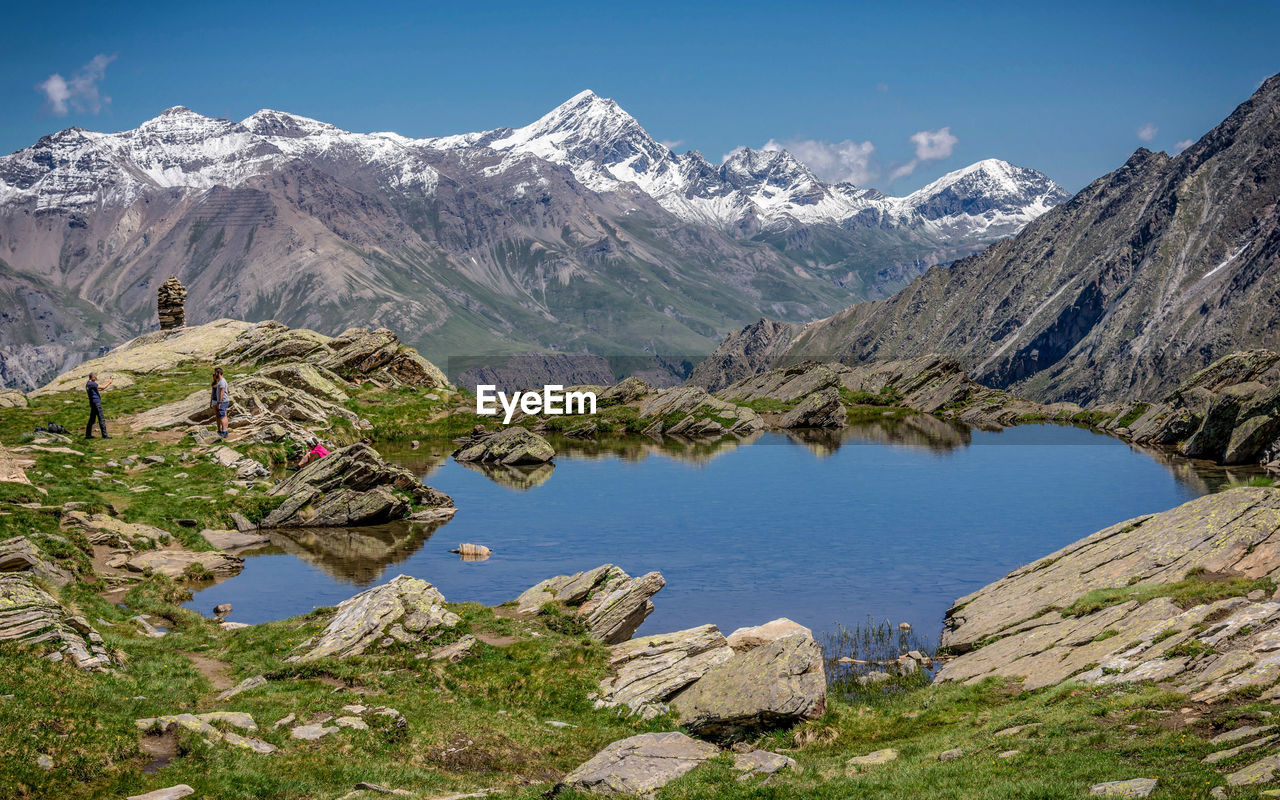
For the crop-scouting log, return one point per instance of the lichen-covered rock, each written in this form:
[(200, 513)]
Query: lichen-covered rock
[(1134, 787), (404, 609), (822, 409), (12, 398), (608, 601), (690, 412), (652, 669), (773, 685), (762, 762), (510, 446), (638, 765), (30, 615)]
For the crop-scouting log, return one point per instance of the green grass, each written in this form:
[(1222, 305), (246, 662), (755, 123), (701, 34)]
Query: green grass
[(1192, 591)]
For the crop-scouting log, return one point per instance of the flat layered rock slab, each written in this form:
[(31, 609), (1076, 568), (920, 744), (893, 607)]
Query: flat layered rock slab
[(176, 563), (639, 765), (1134, 787), (652, 669)]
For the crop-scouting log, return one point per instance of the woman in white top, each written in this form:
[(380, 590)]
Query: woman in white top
[(220, 400)]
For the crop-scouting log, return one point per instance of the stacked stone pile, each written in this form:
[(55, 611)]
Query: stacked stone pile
[(170, 301)]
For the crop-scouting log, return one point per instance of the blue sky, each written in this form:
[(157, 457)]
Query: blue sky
[(1070, 89)]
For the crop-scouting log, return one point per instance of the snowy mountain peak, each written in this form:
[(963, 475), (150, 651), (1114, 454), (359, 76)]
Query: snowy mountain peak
[(267, 122)]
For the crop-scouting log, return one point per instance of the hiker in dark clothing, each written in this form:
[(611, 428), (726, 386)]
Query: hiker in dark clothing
[(95, 406)]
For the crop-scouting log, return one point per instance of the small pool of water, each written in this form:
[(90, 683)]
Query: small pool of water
[(894, 520)]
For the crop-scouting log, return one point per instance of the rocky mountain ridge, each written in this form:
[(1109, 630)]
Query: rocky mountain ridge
[(576, 234), (1146, 276)]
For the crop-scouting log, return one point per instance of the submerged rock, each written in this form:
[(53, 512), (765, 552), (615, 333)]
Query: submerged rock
[(404, 609), (774, 685), (608, 601), (639, 765), (510, 446)]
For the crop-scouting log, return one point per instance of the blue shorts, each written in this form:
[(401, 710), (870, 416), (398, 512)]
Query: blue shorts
[(223, 407)]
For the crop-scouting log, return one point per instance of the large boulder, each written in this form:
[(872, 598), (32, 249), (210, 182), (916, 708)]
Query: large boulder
[(610, 603), (822, 409), (774, 685), (12, 398), (404, 609), (639, 765), (350, 486), (749, 638), (648, 671), (511, 446), (30, 615), (1028, 625)]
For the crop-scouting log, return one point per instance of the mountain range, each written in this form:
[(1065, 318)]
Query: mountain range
[(1147, 275), (578, 233)]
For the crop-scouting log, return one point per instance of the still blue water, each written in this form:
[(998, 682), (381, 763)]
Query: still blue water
[(751, 532)]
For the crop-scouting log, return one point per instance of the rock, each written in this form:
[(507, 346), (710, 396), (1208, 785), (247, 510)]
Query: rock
[(284, 721), (433, 515), (510, 446), (359, 352), (1244, 732), (453, 653), (20, 555), (104, 530), (170, 300), (1231, 533), (44, 762), (1008, 754), (627, 390), (1136, 787), (854, 765), (171, 793), (202, 724), (761, 762), (652, 669), (872, 678), (12, 398), (639, 765), (744, 639), (351, 486), (312, 732), (147, 628), (354, 723), (472, 552), (951, 755), (606, 599), (222, 609), (822, 409), (235, 540), (770, 686), (690, 412), (242, 523), (245, 685), (403, 609), (176, 563), (30, 615)]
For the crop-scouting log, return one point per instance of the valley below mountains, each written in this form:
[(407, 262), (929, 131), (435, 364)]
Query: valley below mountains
[(577, 234)]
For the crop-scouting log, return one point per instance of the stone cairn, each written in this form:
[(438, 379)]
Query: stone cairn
[(170, 299)]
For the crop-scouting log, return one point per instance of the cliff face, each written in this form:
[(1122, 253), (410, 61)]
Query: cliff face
[(1146, 276)]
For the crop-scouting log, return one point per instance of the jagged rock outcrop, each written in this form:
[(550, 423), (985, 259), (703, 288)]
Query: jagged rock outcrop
[(404, 609), (628, 390), (102, 529), (776, 684), (359, 353), (1028, 624), (690, 412), (610, 603), (742, 354), (639, 765), (1228, 412), (511, 446), (350, 486), (646, 672), (822, 409), (30, 615)]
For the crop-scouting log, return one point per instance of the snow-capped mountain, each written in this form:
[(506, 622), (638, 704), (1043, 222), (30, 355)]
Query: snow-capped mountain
[(579, 232)]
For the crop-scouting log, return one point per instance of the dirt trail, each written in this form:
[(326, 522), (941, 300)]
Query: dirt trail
[(218, 672)]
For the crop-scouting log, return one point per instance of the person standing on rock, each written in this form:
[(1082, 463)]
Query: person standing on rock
[(220, 400), (95, 405)]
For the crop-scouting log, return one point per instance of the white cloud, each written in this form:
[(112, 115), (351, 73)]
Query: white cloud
[(930, 146), (671, 144), (933, 145), (1148, 132), (80, 92), (833, 162), (1182, 145)]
